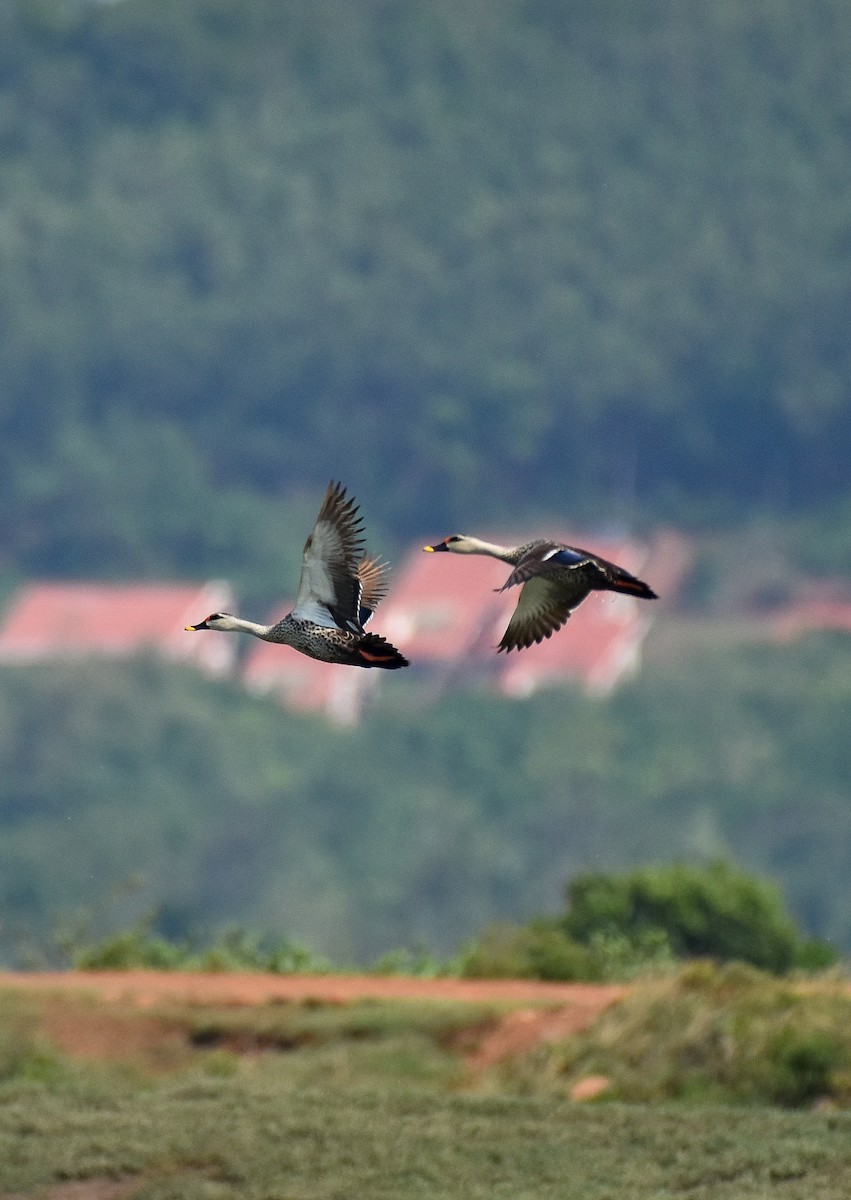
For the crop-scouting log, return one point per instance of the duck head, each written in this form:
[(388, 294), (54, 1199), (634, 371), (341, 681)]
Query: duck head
[(456, 544), (215, 621)]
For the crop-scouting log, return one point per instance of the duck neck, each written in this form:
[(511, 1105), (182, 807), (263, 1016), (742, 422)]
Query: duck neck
[(239, 625), (494, 550)]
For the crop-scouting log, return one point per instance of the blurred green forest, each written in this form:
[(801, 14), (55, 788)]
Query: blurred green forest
[(591, 260), (425, 823), (492, 265)]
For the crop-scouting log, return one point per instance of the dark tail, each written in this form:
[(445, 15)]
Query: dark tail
[(375, 651), (622, 581)]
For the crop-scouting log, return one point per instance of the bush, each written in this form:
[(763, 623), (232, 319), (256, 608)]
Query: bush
[(140, 948), (703, 912), (620, 926), (537, 951)]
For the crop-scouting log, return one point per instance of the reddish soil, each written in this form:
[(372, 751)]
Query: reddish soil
[(146, 988), (536, 1011)]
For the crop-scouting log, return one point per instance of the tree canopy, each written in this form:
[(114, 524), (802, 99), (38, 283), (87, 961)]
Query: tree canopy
[(588, 258), (424, 824)]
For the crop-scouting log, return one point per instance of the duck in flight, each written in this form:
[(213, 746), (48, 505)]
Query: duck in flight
[(338, 593), (554, 579)]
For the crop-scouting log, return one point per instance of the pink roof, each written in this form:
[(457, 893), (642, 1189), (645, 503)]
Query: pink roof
[(811, 614), (444, 606), (599, 643), (50, 619)]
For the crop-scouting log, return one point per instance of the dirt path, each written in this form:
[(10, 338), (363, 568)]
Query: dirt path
[(146, 988)]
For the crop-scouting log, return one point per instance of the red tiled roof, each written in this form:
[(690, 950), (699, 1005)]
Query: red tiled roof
[(812, 614), (444, 606), (599, 645), (50, 619)]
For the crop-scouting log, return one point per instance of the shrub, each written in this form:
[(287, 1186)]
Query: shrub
[(703, 912), (537, 951), (140, 948)]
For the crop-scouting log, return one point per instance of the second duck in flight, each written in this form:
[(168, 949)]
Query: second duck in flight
[(555, 579), (338, 591)]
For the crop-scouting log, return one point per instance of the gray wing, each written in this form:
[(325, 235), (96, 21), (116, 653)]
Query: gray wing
[(329, 591), (546, 558), (546, 601), (373, 578)]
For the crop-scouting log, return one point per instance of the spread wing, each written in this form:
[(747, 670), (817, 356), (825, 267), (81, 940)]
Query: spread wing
[(329, 591), (546, 601), (373, 578)]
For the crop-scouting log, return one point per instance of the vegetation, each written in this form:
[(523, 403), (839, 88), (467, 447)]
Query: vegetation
[(253, 1136), (132, 787), (140, 948), (585, 261), (619, 925), (708, 1035), (558, 261), (460, 245), (701, 912), (325, 1101)]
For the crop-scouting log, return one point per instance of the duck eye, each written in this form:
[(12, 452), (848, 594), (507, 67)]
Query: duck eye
[(454, 538)]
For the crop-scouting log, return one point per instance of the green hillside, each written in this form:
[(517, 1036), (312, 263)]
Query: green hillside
[(423, 824), (586, 259), (520, 264)]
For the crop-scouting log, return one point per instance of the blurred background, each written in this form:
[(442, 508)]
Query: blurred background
[(515, 268)]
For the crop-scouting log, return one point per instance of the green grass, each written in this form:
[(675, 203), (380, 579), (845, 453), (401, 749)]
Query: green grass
[(317, 1101), (253, 1135), (706, 1034)]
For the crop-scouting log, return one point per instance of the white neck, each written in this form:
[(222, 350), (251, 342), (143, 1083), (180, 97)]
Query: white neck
[(230, 624), (472, 545)]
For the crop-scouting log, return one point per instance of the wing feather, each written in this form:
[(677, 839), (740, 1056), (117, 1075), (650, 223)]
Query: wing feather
[(546, 602), (329, 586), (373, 578)]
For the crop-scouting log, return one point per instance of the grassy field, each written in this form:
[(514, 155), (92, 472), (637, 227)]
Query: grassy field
[(256, 1136), (330, 1102)]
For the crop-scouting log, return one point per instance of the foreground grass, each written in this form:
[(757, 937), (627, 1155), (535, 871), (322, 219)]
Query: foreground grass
[(329, 1102), (252, 1135)]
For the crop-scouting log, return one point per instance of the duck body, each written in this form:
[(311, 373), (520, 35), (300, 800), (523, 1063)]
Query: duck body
[(338, 593), (322, 642), (554, 579)]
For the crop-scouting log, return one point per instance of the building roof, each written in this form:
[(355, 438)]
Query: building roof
[(443, 606), (599, 646), (600, 643), (46, 620), (811, 613)]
